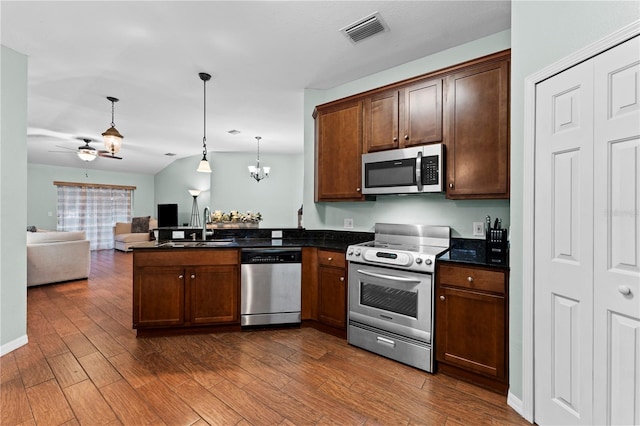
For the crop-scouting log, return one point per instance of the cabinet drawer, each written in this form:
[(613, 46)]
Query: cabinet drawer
[(331, 258), (472, 278)]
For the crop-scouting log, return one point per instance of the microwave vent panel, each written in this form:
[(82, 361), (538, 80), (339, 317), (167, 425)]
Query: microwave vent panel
[(365, 28)]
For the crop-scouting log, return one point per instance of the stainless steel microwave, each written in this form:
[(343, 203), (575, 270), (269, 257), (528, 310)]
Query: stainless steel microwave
[(404, 171)]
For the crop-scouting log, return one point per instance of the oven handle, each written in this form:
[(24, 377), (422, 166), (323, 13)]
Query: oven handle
[(388, 277)]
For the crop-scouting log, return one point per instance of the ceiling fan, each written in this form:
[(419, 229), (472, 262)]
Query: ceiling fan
[(88, 153)]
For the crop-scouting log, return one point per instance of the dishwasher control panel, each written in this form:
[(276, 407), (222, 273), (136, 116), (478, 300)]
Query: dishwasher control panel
[(271, 256)]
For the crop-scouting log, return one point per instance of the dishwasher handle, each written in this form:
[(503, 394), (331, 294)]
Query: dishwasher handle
[(270, 255)]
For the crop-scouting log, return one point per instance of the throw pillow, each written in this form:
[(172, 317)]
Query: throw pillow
[(140, 224)]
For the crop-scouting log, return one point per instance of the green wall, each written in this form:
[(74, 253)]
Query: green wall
[(42, 195), (13, 203), (229, 186), (543, 32)]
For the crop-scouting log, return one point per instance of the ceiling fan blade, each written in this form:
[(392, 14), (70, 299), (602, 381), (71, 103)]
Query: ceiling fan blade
[(63, 147), (107, 154)]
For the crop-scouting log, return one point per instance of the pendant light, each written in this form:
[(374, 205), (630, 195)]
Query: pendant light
[(112, 137), (204, 166), (256, 171)]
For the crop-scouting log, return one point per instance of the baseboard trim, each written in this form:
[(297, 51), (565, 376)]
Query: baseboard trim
[(516, 404), (13, 345)]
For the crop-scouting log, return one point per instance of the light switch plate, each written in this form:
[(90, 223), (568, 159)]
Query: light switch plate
[(478, 229)]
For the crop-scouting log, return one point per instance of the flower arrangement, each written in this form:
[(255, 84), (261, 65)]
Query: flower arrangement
[(235, 216)]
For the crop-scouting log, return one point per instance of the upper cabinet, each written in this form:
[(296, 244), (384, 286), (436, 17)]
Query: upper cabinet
[(465, 106), (477, 103), (338, 152), (404, 117)]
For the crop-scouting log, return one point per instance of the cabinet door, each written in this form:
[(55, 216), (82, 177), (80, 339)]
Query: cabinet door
[(470, 330), (214, 294), (158, 296), (381, 121), (338, 152), (422, 113), (478, 132), (332, 296)]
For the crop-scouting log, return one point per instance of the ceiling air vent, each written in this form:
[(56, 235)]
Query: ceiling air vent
[(365, 28)]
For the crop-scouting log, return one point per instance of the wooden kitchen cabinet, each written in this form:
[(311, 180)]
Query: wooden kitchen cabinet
[(471, 324), (477, 134), (200, 287), (338, 151), (404, 117), (324, 290)]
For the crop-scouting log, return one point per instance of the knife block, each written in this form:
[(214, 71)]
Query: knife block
[(497, 247)]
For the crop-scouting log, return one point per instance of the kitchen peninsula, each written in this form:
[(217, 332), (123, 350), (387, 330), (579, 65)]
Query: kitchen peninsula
[(183, 285)]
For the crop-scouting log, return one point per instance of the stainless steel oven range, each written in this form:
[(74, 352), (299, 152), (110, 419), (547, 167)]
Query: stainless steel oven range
[(391, 292)]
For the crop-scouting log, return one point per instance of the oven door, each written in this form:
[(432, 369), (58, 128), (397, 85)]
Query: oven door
[(389, 299)]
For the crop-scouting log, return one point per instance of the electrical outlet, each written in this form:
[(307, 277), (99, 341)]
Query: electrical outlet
[(478, 229), (348, 224)]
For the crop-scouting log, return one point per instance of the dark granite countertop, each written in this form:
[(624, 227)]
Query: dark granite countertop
[(255, 238)]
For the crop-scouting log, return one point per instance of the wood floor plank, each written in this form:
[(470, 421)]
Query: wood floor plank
[(99, 370), (88, 404), (15, 404), (33, 365), (79, 345), (67, 369), (167, 404), (253, 410), (208, 406), (48, 404), (8, 368), (130, 408), (131, 369)]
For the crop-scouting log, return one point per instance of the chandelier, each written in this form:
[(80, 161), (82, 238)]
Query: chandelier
[(112, 137), (257, 172), (204, 166)]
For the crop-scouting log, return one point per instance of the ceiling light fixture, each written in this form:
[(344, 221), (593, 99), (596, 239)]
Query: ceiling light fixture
[(204, 166), (87, 152), (112, 137), (255, 171)]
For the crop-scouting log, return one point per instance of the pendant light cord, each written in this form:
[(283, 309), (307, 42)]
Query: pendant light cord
[(204, 136)]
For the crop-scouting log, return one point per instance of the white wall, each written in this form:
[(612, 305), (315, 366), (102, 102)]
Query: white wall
[(42, 195), (543, 32), (13, 202), (229, 187), (432, 209)]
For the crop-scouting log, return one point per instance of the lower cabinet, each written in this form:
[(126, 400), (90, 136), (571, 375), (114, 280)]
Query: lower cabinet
[(324, 290), (200, 288), (472, 324)]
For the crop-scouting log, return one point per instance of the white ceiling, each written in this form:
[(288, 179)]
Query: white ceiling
[(262, 55)]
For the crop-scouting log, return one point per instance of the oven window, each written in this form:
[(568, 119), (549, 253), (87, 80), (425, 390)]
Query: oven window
[(389, 299)]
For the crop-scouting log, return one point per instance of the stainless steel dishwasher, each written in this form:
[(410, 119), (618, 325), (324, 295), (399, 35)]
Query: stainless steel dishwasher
[(271, 279)]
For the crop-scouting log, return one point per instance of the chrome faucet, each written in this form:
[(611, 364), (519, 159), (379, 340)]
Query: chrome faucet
[(207, 217)]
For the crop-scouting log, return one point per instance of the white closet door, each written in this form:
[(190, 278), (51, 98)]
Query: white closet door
[(563, 363), (617, 235)]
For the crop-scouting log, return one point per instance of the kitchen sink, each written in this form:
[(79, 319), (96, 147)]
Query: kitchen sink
[(207, 243)]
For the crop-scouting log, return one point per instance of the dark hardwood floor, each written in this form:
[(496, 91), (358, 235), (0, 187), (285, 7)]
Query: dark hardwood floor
[(84, 365)]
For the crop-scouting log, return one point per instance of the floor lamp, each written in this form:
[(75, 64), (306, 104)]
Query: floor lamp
[(195, 212)]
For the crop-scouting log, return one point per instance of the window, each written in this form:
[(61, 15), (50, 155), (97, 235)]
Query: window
[(93, 208)]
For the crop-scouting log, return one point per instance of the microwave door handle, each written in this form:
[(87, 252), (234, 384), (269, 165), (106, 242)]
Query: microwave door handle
[(388, 277), (419, 171)]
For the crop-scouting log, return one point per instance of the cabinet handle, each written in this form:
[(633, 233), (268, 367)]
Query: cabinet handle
[(341, 278), (624, 289), (470, 279), (357, 189), (451, 185), (395, 139), (441, 297), (193, 276), (180, 276), (329, 259), (406, 137)]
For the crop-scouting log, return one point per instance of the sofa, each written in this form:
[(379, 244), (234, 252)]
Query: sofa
[(55, 256), (125, 236)]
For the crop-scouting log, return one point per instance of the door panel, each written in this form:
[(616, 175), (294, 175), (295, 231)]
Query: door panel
[(617, 235), (564, 248)]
